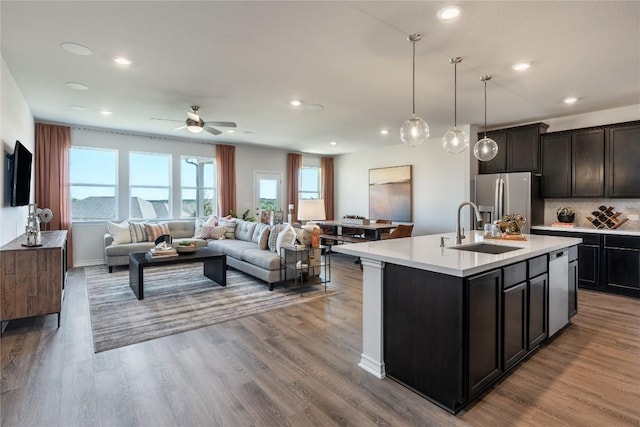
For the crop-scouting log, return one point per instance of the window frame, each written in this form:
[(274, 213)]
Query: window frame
[(169, 157), (214, 189), (115, 186), (314, 194)]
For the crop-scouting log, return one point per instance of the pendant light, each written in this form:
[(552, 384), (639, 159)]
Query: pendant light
[(455, 141), (485, 149), (414, 130)]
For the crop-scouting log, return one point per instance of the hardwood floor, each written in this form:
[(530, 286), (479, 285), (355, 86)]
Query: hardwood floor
[(298, 367)]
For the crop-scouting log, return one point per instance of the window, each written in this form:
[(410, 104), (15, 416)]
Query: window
[(309, 183), (198, 177), (149, 185), (93, 181)]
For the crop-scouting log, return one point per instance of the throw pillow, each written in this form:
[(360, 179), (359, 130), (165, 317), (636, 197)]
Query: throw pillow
[(273, 236), (138, 232), (197, 228), (263, 241), (286, 237), (119, 232), (212, 221), (215, 232), (156, 230), (230, 228)]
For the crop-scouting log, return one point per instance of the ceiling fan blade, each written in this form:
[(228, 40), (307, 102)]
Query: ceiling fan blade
[(211, 130), (168, 120), (225, 124), (193, 116), (180, 127)]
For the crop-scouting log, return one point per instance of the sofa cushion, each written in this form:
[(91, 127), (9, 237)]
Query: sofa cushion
[(230, 228), (156, 230), (261, 258), (125, 249), (273, 236), (286, 237), (258, 231), (216, 232), (244, 230), (263, 241), (231, 247), (181, 229), (119, 232), (138, 232)]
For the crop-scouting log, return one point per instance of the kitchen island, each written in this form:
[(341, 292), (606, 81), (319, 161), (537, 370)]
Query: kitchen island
[(447, 322)]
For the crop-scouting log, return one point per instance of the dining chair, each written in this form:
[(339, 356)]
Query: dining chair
[(401, 230)]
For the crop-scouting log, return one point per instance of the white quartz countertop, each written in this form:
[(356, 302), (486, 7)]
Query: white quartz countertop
[(587, 230), (425, 253)]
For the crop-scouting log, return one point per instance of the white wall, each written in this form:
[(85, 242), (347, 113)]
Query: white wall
[(441, 181), (16, 123)]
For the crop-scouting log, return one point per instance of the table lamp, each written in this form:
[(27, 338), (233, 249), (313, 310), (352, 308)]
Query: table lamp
[(311, 210)]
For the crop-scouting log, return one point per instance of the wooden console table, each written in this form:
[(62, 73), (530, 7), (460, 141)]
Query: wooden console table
[(32, 278)]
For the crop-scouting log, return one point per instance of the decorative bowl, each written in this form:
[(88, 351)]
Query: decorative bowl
[(187, 249), (566, 218)]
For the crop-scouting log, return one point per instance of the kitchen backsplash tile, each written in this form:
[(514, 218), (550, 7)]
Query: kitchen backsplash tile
[(584, 207)]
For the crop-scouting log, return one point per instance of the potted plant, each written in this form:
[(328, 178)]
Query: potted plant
[(565, 214)]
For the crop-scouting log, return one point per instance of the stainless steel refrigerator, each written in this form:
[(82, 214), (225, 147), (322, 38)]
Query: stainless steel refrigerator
[(509, 193)]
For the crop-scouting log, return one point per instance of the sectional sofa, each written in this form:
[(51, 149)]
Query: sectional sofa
[(242, 250)]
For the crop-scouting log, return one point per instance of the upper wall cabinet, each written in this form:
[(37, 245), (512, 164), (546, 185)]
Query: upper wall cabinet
[(518, 149), (593, 162), (623, 163)]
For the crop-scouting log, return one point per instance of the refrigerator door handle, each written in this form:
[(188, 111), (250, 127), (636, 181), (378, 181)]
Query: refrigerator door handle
[(496, 199), (505, 196), (501, 198)]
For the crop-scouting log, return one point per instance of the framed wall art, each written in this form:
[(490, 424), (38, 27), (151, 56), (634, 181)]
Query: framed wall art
[(390, 193)]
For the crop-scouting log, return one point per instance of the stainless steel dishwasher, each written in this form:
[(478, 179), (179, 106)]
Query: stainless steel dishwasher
[(558, 290)]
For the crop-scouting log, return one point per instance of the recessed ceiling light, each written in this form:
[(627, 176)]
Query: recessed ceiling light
[(231, 131), (76, 49), (106, 113), (333, 143), (521, 66), (295, 102), (570, 100), (76, 86), (449, 12), (121, 60), (314, 107), (77, 107), (384, 131), (247, 131)]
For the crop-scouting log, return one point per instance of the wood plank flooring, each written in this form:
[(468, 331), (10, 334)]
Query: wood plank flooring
[(298, 367)]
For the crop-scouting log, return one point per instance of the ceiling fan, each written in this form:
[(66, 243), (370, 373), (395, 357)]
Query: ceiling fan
[(195, 124)]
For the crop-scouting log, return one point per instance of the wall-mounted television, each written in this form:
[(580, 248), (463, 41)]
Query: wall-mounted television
[(20, 175)]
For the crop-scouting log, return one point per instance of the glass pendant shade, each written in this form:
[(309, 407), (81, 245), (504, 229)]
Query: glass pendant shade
[(455, 141), (485, 149), (414, 131)]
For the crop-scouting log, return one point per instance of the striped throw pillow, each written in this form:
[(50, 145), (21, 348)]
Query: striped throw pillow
[(156, 230), (138, 233), (229, 228), (273, 236)]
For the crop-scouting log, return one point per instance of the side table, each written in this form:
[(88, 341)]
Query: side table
[(300, 261)]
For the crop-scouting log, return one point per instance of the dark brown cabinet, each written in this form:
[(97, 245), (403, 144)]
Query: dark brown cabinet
[(483, 358), (514, 313), (622, 264), (623, 153), (518, 149), (587, 167), (537, 314), (556, 158)]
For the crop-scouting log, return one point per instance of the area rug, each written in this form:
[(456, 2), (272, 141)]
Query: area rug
[(177, 299)]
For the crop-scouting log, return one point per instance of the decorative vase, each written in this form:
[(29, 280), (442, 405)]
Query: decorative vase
[(566, 218)]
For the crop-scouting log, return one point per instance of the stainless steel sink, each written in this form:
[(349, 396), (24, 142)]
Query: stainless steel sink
[(486, 248)]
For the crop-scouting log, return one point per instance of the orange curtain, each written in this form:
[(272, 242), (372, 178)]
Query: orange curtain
[(294, 163), (52, 178), (327, 185), (226, 166)]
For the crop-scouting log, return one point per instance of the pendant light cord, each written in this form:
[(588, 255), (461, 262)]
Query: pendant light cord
[(413, 87), (485, 108), (455, 95)]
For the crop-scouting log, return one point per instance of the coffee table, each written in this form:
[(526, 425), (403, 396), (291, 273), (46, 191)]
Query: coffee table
[(215, 266)]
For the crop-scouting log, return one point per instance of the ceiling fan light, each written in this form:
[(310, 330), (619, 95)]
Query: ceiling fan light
[(414, 131), (455, 141), (194, 128), (485, 149)]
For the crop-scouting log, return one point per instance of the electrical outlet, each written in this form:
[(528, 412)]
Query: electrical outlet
[(632, 217)]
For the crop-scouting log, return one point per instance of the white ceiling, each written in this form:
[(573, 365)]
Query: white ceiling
[(243, 61)]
